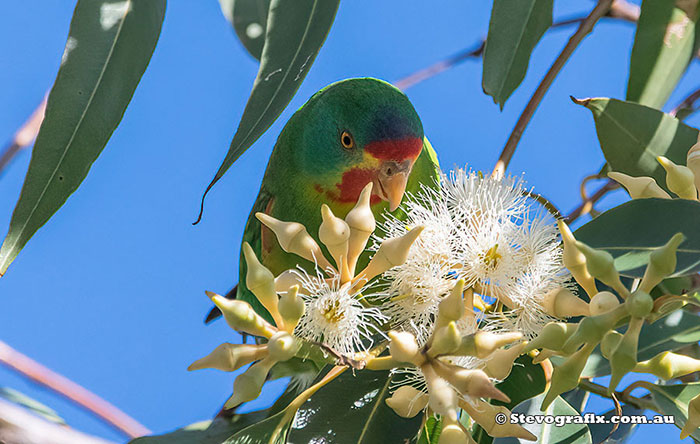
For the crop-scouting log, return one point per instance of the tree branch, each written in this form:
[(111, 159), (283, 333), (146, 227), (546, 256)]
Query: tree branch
[(72, 391), (587, 205), (687, 106), (583, 30), (24, 136)]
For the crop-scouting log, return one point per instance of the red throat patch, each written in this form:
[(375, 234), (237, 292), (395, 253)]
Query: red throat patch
[(348, 190)]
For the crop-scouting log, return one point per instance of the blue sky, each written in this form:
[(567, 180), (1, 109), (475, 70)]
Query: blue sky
[(110, 292)]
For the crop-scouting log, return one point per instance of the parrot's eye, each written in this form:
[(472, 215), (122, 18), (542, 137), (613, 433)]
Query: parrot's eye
[(347, 140)]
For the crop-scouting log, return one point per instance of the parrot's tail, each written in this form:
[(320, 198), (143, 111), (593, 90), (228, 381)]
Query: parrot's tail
[(215, 313)]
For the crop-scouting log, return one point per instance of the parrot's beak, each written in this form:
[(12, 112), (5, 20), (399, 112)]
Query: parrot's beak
[(392, 178)]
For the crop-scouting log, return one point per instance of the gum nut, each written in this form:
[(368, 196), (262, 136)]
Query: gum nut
[(603, 302), (407, 402), (282, 346), (403, 346)]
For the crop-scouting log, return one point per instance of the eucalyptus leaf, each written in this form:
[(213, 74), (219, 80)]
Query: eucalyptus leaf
[(601, 433), (673, 400), (633, 135), (430, 432), (31, 404), (295, 33), (664, 45), (205, 432), (109, 46), (514, 29), (249, 20), (632, 230)]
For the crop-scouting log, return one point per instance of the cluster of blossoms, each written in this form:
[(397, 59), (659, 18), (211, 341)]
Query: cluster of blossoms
[(458, 285)]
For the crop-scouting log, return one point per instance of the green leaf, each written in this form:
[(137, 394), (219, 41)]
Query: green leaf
[(430, 432), (272, 430), (352, 409), (676, 330), (664, 45), (576, 398), (31, 404), (205, 432), (601, 432), (632, 136), (249, 20), (550, 433), (515, 28), (109, 46), (673, 400), (632, 230), (295, 33)]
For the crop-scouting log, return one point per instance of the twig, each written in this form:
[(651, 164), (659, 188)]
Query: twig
[(587, 205), (687, 106), (644, 403), (24, 136), (620, 9), (546, 203), (583, 30), (72, 391)]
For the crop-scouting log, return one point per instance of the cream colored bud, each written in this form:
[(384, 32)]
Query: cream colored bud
[(482, 343), (603, 302), (552, 336), (391, 253), (445, 340), (334, 232), (575, 261), (623, 358), (229, 357), (248, 385), (693, 421), (639, 187), (601, 265), (544, 354), (693, 162), (500, 363), (441, 396), (282, 346), (484, 414), (407, 402), (293, 238), (562, 303), (291, 307), (451, 308), (679, 179), (662, 263), (453, 433), (261, 282), (287, 279), (668, 365), (472, 382), (240, 316), (362, 224), (566, 376), (403, 347), (609, 343)]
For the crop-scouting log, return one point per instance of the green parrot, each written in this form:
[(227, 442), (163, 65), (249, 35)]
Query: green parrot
[(348, 134)]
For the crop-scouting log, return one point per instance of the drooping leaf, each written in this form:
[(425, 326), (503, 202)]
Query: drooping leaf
[(206, 432), (514, 29), (632, 136), (545, 430), (601, 432), (664, 45), (295, 33), (109, 46), (352, 409), (675, 331), (632, 230), (249, 20), (673, 400)]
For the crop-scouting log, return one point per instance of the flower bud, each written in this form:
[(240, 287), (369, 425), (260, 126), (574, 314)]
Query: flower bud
[(453, 433), (261, 282), (451, 308), (391, 253), (472, 382), (693, 421), (624, 357), (445, 340), (403, 347), (603, 302), (334, 232), (362, 224), (601, 266), (575, 261), (407, 402), (679, 179), (566, 376), (483, 343), (248, 385), (286, 280), (662, 263), (639, 304), (441, 397), (693, 162), (609, 343), (591, 329), (552, 336), (484, 414), (229, 357), (241, 317), (282, 346), (562, 303), (291, 308), (668, 365), (293, 238), (544, 354), (500, 363), (639, 187)]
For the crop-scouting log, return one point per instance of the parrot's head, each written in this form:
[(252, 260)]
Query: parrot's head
[(358, 131)]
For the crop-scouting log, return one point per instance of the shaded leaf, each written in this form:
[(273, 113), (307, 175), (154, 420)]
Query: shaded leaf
[(632, 136), (515, 28), (249, 20), (601, 432), (632, 230), (664, 45), (673, 400), (576, 398), (295, 33), (109, 46), (430, 432), (205, 432)]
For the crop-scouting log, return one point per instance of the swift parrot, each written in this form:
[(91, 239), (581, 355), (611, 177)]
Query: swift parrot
[(348, 134)]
